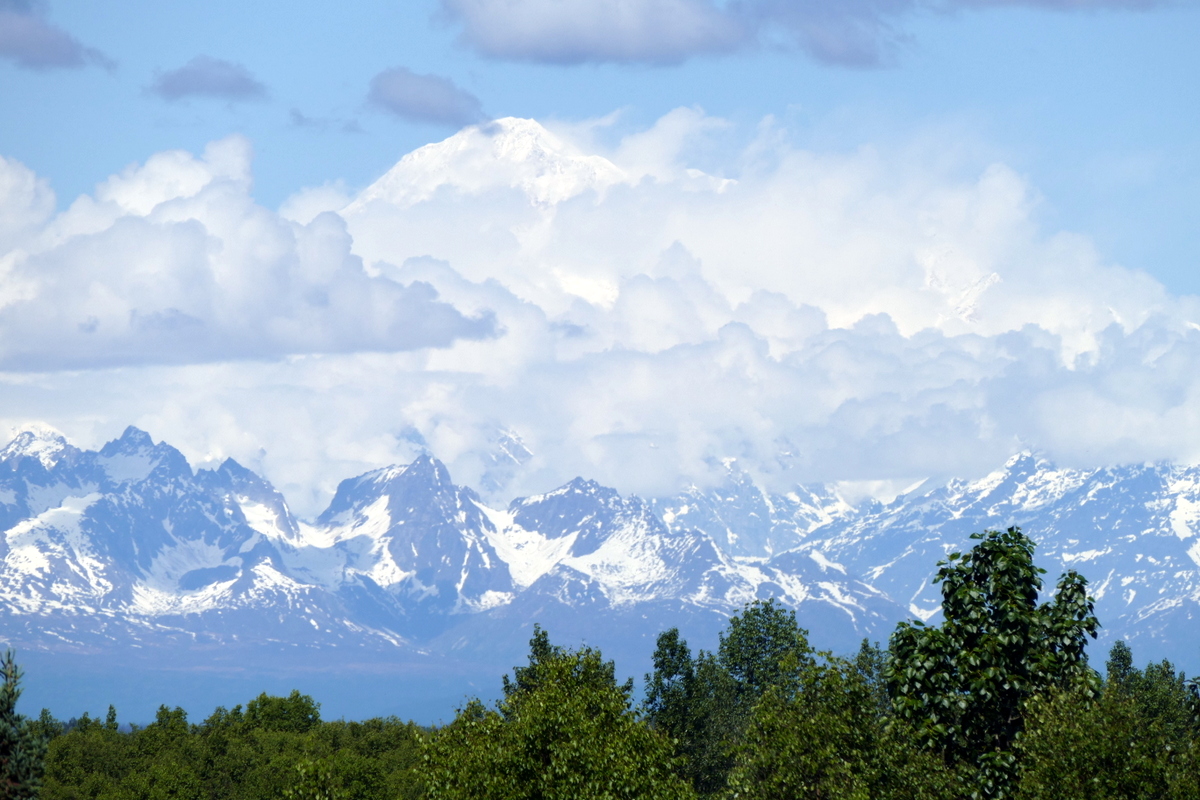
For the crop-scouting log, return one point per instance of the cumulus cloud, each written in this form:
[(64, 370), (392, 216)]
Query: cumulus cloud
[(905, 233), (205, 76), (29, 40), (847, 32), (28, 201), (864, 316), (172, 261), (423, 98)]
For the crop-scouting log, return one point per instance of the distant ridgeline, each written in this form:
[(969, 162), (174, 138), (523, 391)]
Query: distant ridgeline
[(130, 555), (997, 701)]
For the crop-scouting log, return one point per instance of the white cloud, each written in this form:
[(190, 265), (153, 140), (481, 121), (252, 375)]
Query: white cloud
[(854, 234), (870, 316), (172, 261), (27, 202), (306, 204)]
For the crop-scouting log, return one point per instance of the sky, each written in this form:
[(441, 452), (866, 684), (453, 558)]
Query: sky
[(866, 242)]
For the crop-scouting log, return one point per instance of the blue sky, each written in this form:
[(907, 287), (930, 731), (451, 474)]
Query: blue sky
[(975, 171)]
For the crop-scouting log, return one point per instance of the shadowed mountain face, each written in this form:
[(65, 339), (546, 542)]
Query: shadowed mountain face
[(129, 547)]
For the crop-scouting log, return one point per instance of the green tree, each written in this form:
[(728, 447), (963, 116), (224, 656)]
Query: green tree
[(1136, 740), (703, 704), (284, 750), (314, 781), (22, 745), (565, 729), (296, 713), (824, 734), (762, 647), (695, 704), (963, 685)]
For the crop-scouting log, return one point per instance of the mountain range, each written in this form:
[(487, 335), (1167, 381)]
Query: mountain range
[(128, 562)]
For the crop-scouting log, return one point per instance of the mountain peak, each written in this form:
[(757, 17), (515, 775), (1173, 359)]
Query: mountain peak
[(426, 471), (41, 442), (508, 153), (132, 440)]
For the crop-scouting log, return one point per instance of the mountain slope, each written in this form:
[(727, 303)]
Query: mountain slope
[(1132, 531), (132, 546)]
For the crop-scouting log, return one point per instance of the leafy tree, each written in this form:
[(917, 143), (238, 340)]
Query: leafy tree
[(564, 729), (22, 745), (703, 704), (694, 703), (963, 685), (1136, 740), (671, 688), (315, 781), (824, 734), (283, 749), (762, 646), (544, 660), (46, 726), (296, 713)]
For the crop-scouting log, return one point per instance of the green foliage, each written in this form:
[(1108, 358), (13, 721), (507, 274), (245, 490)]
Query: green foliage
[(46, 727), (545, 660), (314, 781), (564, 729), (696, 704), (963, 685), (762, 646), (296, 713), (277, 746), (704, 704), (824, 733), (1136, 740), (22, 743)]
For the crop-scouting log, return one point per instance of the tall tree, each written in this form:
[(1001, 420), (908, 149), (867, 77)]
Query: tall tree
[(22, 745), (963, 684), (704, 703), (565, 729), (762, 647)]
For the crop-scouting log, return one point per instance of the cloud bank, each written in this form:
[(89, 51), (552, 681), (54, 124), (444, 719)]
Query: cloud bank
[(856, 33), (172, 261), (205, 76), (855, 316), (30, 41)]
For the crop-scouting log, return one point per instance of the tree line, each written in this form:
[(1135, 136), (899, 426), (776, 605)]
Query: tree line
[(998, 701)]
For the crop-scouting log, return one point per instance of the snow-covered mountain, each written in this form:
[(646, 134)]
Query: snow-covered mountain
[(1131, 530), (129, 543), (129, 546), (509, 153)]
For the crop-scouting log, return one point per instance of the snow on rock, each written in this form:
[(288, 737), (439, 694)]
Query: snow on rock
[(43, 443), (506, 153)]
